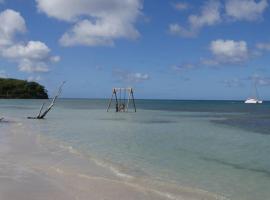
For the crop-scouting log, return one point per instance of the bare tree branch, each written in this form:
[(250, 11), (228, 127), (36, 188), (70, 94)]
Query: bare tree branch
[(41, 114)]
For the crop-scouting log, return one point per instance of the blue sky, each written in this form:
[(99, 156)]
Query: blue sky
[(164, 49)]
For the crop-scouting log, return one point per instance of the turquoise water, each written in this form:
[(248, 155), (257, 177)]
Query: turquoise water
[(218, 146)]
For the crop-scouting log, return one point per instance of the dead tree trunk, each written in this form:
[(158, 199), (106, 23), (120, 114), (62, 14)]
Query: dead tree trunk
[(41, 115)]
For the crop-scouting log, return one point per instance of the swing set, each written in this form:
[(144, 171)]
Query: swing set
[(122, 98)]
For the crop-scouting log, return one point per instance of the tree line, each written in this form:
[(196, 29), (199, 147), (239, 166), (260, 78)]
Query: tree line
[(21, 89)]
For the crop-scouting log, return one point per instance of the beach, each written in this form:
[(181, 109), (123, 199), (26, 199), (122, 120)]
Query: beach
[(35, 168), (82, 152)]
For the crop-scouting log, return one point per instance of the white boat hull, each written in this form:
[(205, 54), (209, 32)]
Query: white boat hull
[(253, 101)]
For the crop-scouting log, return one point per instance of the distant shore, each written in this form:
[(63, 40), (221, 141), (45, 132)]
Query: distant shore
[(21, 89)]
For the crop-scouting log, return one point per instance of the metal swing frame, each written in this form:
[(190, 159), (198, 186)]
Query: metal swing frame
[(122, 105)]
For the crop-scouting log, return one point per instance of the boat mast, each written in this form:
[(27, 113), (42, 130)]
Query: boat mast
[(256, 90)]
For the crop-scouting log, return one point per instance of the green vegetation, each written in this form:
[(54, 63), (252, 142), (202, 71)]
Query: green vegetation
[(20, 89)]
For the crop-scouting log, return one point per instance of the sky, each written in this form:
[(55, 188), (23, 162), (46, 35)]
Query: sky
[(165, 49)]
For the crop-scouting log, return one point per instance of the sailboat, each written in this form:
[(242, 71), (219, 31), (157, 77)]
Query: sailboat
[(254, 100)]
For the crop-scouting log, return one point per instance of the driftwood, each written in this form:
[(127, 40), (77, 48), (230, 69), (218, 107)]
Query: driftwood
[(41, 115)]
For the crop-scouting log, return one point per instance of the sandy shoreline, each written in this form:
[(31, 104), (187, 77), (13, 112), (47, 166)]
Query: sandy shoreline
[(33, 168)]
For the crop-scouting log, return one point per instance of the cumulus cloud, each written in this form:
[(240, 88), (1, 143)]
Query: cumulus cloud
[(12, 23), (214, 12), (30, 66), (33, 50), (209, 16), (249, 10), (32, 56), (229, 51), (130, 77), (95, 22)]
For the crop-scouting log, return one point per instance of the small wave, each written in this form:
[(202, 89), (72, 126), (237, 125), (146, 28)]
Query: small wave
[(69, 148), (132, 181), (119, 173), (72, 150), (186, 193), (113, 169)]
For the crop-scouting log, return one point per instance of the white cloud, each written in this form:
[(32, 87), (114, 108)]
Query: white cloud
[(209, 16), (95, 22), (101, 33), (229, 51), (176, 29), (241, 82), (181, 6), (249, 10), (137, 77), (264, 81), (130, 77), (33, 50), (214, 12), (260, 80), (263, 46), (210, 62), (55, 59), (32, 56), (12, 23), (29, 66)]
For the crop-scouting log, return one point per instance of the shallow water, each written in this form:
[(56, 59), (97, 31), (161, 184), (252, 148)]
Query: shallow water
[(219, 146)]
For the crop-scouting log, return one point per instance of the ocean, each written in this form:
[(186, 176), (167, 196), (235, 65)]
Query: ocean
[(221, 147)]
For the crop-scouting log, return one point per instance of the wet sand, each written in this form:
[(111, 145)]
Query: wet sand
[(35, 168)]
